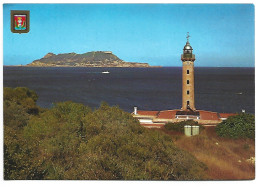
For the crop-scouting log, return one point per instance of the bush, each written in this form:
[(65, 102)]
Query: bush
[(19, 106), (22, 96), (239, 126), (70, 141), (179, 126)]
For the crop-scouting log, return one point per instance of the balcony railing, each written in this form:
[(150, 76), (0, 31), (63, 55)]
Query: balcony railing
[(188, 57)]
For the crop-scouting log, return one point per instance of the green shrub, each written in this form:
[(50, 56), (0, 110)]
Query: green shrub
[(19, 106), (111, 145), (238, 126), (15, 115), (179, 126), (22, 96), (70, 141)]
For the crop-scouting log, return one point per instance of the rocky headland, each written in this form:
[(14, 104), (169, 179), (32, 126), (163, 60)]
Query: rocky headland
[(89, 59)]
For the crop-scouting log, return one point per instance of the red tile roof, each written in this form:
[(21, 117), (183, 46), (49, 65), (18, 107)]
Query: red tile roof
[(147, 113), (167, 114), (170, 114), (207, 115), (226, 115)]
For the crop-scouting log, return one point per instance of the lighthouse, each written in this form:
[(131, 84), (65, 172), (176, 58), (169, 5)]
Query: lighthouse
[(157, 119), (188, 59)]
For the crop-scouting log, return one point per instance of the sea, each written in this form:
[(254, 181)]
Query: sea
[(218, 89)]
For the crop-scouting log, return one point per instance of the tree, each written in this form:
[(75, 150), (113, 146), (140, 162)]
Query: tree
[(70, 141), (22, 96), (19, 106), (238, 126)]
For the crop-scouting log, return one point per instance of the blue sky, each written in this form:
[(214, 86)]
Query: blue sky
[(221, 35)]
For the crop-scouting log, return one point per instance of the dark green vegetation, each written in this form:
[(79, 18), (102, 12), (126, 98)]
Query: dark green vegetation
[(179, 126), (23, 97), (70, 141), (89, 59), (239, 126)]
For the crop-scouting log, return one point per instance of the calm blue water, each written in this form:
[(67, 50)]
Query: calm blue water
[(216, 89)]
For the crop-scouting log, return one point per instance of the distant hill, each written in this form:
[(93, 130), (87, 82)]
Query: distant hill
[(89, 59)]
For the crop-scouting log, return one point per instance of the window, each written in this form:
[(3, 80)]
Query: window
[(188, 71), (188, 92), (188, 102), (188, 81)]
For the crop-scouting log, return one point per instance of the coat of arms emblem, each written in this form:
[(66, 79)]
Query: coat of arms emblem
[(19, 21)]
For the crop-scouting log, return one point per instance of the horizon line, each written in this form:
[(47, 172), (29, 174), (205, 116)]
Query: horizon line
[(155, 66)]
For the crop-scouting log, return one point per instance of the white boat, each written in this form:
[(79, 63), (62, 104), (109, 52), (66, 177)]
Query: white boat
[(105, 72)]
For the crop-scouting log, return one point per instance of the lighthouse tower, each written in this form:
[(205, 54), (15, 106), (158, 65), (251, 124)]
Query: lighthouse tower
[(188, 59)]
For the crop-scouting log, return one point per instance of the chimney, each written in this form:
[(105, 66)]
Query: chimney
[(135, 110)]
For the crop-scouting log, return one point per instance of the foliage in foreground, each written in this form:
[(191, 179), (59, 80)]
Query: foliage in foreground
[(238, 126), (179, 126), (23, 97), (70, 141)]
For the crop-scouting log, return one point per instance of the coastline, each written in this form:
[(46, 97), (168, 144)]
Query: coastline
[(85, 66)]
